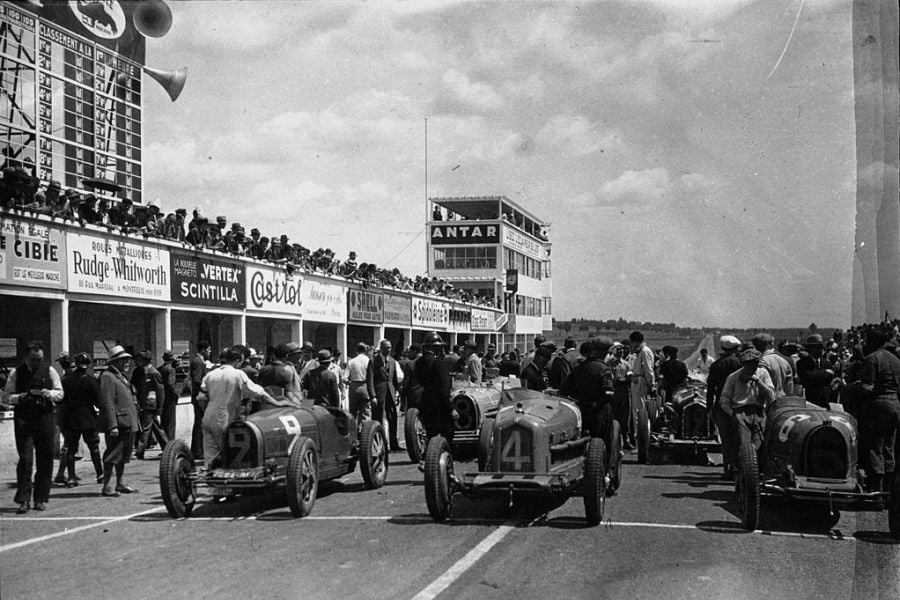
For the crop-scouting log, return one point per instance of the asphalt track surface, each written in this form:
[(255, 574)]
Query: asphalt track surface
[(670, 532)]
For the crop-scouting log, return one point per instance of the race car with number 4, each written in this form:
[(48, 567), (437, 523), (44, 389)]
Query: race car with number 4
[(291, 447)]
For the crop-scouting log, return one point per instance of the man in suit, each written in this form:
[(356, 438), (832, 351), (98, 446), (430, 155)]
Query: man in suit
[(119, 419), (148, 385), (170, 403), (382, 384), (79, 421), (814, 372), (197, 373)]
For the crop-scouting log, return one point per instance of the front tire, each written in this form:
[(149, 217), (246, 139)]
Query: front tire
[(373, 454), (414, 432), (595, 481), (303, 477), (746, 488), (438, 478), (643, 434), (615, 457), (176, 464)]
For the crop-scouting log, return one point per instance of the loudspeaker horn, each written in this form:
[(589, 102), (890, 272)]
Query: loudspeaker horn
[(152, 18), (172, 81)]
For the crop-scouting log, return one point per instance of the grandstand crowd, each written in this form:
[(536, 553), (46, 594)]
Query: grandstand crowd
[(20, 191)]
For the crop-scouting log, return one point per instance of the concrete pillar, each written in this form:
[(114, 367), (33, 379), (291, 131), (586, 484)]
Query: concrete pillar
[(59, 328), (239, 329), (162, 332), (297, 331)]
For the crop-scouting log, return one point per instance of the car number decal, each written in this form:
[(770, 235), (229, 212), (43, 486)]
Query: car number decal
[(291, 428), (788, 425), (238, 439), (511, 454)]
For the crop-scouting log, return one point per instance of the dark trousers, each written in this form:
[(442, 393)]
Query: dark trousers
[(170, 407), (622, 410), (35, 431), (92, 441), (879, 435), (728, 435), (150, 426), (197, 431)]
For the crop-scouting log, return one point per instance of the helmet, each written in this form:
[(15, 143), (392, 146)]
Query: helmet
[(432, 338)]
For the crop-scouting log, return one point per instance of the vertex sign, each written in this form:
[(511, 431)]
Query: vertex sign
[(447, 234)]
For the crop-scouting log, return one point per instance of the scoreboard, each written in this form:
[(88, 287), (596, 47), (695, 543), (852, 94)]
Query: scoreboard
[(70, 103)]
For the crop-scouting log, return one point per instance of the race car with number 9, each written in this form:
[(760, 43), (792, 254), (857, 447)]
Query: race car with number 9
[(291, 447)]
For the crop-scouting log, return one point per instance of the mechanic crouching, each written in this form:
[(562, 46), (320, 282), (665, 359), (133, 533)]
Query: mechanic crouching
[(746, 394), (591, 385)]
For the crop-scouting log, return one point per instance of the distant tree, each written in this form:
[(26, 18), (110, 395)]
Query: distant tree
[(813, 327)]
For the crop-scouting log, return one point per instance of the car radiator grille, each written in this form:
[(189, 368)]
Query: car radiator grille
[(240, 447), (694, 421), (826, 454), (468, 418), (516, 450)]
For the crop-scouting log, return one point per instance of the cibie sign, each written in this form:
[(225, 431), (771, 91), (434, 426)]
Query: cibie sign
[(465, 234)]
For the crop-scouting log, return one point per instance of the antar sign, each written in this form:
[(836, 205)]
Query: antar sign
[(465, 234)]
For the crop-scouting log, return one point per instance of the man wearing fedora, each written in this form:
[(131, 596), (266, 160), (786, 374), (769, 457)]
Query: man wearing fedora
[(382, 384), (170, 402), (814, 372), (321, 384), (79, 418), (118, 419), (33, 389)]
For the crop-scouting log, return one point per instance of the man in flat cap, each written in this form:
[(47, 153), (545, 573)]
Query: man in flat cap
[(746, 394), (321, 384), (151, 393), (727, 363)]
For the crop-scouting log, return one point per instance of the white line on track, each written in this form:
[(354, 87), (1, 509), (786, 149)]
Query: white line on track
[(462, 565), (51, 536)]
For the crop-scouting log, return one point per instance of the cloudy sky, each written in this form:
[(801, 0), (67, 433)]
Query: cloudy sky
[(695, 157)]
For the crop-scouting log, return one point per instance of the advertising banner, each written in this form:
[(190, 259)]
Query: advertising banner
[(207, 281), (117, 267), (483, 320), (397, 310), (324, 302), (460, 318), (520, 242), (364, 306), (32, 254), (271, 290), (465, 234), (430, 314)]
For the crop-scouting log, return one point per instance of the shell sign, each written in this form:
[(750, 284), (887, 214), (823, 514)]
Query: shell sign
[(365, 306)]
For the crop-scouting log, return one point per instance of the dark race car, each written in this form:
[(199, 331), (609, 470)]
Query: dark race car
[(292, 447), (535, 444), (809, 453), (680, 422), (472, 403)]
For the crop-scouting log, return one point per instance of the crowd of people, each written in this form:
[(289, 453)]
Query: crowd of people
[(20, 191), (133, 403)]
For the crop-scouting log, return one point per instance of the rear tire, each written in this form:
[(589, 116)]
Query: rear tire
[(615, 457), (414, 433), (643, 434), (893, 506), (303, 477), (176, 464), (746, 488), (438, 484), (373, 454), (595, 481)]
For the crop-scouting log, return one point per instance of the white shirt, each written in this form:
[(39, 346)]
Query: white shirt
[(357, 367)]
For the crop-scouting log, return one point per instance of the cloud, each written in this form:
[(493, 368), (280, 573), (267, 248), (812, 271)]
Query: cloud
[(641, 187), (577, 135), (478, 95)]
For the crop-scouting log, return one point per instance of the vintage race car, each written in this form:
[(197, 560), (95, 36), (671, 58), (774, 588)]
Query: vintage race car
[(681, 421), (534, 444), (292, 447), (472, 403), (809, 453)]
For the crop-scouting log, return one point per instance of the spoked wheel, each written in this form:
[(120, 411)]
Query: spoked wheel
[(615, 457), (595, 481), (438, 478), (303, 477), (414, 432), (746, 487), (373, 454), (643, 434), (175, 466), (893, 505)]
